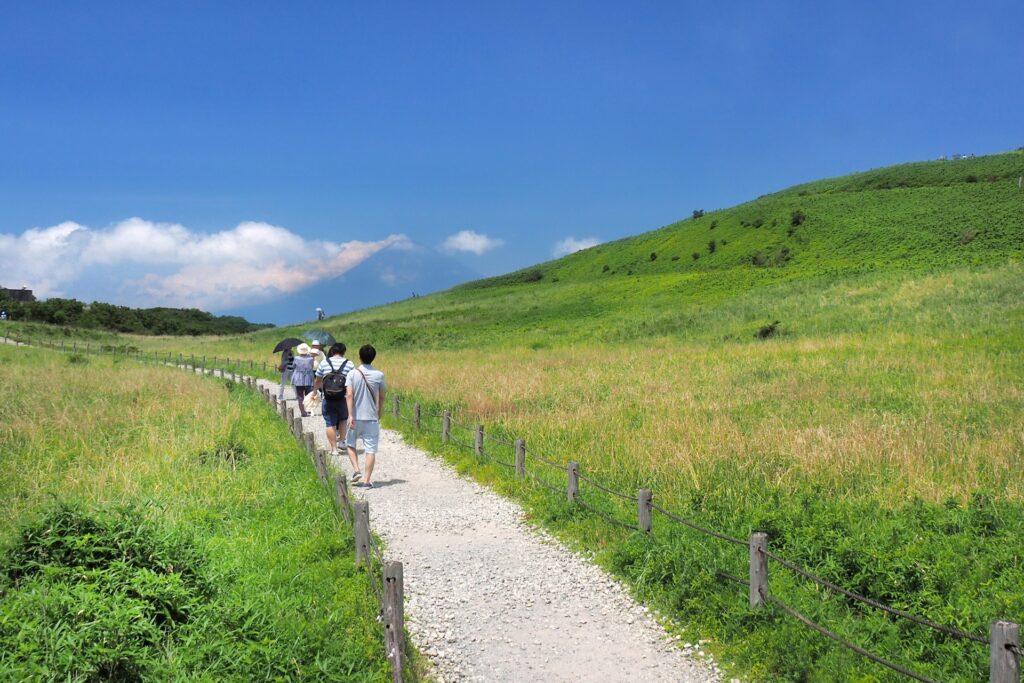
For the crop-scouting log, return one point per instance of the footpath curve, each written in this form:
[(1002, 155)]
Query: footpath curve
[(490, 598)]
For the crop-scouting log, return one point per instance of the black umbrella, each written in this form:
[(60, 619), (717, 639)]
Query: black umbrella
[(288, 343), (322, 336)]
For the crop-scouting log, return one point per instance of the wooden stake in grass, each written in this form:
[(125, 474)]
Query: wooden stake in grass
[(644, 510), (573, 487), (362, 515), (1004, 664), (341, 497), (520, 458), (758, 569), (446, 427), (394, 617)]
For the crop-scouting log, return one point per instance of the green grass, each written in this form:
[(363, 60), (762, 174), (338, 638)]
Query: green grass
[(876, 435), (165, 527)]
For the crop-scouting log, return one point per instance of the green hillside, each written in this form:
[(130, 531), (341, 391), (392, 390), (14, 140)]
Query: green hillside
[(842, 371), (912, 218)]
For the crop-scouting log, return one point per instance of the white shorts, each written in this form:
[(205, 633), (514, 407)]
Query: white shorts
[(368, 431)]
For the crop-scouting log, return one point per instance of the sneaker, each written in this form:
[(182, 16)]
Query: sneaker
[(357, 475), (366, 485), (334, 452)]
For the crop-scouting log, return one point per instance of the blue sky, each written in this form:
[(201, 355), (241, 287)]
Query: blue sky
[(236, 156)]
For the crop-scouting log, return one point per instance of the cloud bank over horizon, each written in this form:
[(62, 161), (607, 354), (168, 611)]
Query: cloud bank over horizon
[(142, 263)]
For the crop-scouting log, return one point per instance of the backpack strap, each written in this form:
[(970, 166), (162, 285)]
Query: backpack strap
[(366, 382)]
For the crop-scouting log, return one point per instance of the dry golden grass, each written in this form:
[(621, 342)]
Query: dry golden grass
[(104, 433), (885, 417)]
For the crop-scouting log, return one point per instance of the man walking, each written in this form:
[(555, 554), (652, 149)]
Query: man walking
[(330, 376), (365, 402)]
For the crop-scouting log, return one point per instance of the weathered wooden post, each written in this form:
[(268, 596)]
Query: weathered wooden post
[(290, 414), (87, 347), (264, 366), (252, 364), (520, 458), (394, 406), (192, 361), (643, 509), (758, 569), (416, 416), (321, 465), (297, 426), (1005, 661), (74, 346), (446, 427), (62, 346), (478, 445), (204, 365), (362, 515), (341, 497), (310, 443), (573, 488), (394, 617)]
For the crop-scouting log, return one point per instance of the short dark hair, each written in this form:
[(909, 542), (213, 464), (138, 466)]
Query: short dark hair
[(337, 349), (367, 353)]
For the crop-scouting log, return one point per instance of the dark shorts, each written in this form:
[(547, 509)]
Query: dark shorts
[(335, 413)]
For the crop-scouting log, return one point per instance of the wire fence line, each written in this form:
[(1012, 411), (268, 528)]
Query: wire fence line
[(1007, 671), (571, 470), (387, 588)]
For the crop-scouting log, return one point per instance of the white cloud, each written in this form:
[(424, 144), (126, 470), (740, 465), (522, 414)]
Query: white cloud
[(471, 241), (571, 245), (168, 264)]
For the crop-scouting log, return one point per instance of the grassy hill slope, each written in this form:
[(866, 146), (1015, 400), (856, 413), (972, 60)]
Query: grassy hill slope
[(876, 434)]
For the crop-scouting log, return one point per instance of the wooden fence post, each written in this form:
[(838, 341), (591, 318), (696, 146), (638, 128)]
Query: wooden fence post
[(758, 569), (446, 427), (74, 347), (341, 497), (62, 346), (193, 362), (643, 505), (1005, 662), (362, 515), (416, 416), (520, 458), (290, 415), (321, 465), (394, 617), (87, 347), (394, 406), (573, 488), (310, 443), (478, 446)]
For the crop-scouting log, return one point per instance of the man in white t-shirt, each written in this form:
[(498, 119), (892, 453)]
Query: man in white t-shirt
[(365, 396)]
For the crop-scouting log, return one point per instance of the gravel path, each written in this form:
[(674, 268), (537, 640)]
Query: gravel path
[(489, 598)]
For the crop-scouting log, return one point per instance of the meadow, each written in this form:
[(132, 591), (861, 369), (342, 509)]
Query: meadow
[(837, 364), (162, 526)]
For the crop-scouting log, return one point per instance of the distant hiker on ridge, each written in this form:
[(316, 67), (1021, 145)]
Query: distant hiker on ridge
[(330, 376), (365, 402)]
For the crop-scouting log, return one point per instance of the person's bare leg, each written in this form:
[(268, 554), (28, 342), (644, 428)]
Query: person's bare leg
[(353, 459), (370, 458), (332, 438)]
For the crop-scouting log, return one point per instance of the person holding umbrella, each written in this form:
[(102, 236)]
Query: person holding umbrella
[(287, 364)]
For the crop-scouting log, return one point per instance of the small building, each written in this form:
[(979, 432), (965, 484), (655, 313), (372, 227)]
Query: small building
[(24, 294)]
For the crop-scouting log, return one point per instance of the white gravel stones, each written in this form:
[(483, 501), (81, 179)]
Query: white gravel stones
[(489, 598)]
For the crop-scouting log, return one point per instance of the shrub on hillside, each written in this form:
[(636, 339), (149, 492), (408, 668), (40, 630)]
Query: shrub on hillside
[(696, 255), (698, 213), (712, 245), (714, 224), (797, 218), (654, 256), (605, 269), (966, 236), (768, 330)]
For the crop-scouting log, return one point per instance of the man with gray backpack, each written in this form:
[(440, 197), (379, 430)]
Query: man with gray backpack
[(330, 376)]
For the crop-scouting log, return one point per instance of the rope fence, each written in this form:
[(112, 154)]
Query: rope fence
[(1003, 641), (385, 577)]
